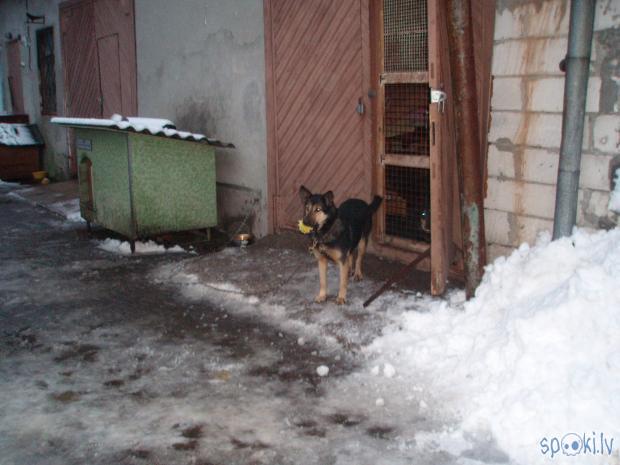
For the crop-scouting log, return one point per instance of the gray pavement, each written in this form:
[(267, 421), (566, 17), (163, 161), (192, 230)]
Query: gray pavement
[(108, 359)]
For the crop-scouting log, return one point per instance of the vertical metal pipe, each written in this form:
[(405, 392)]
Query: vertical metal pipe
[(462, 69), (1, 82), (575, 89)]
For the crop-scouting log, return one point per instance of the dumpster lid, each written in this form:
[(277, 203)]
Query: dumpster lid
[(152, 126), (21, 135)]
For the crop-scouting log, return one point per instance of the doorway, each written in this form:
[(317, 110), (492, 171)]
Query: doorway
[(416, 172)]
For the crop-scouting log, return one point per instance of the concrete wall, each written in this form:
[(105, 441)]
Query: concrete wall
[(526, 120), (201, 64), (13, 21)]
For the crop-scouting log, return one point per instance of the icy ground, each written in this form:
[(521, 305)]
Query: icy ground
[(100, 364), (533, 357), (225, 359)]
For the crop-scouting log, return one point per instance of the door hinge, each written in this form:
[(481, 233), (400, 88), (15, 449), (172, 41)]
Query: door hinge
[(438, 97)]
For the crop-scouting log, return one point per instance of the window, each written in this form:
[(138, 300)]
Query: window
[(47, 76)]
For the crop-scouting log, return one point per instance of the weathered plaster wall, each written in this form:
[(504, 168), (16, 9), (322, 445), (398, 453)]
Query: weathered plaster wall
[(526, 120), (13, 21), (201, 64)]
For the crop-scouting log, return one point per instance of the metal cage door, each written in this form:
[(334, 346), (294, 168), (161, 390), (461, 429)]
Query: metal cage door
[(413, 176)]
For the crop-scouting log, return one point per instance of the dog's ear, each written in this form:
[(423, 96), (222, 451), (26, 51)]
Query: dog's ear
[(329, 198), (304, 194)]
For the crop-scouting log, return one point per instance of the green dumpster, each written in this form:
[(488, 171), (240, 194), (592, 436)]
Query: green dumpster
[(140, 176)]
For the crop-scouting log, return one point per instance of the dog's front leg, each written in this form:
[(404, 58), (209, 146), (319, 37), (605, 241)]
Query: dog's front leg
[(322, 278), (344, 281)]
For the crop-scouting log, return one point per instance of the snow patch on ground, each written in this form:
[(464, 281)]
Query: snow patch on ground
[(69, 209), (124, 248), (231, 297), (9, 184), (322, 370), (534, 355)]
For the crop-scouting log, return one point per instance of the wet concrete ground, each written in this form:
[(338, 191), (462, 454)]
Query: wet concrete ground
[(100, 364)]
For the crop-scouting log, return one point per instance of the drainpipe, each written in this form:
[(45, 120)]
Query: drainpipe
[(1, 81), (460, 39), (577, 65)]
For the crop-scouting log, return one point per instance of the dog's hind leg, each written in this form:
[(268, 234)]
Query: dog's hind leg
[(361, 250), (344, 281), (322, 279), (350, 262)]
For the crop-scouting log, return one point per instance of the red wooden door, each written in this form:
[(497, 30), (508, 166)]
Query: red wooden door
[(16, 94), (116, 52), (99, 59), (80, 66), (79, 54), (109, 75), (318, 78)]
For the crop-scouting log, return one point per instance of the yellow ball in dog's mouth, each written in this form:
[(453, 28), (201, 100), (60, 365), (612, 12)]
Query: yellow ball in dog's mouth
[(304, 228)]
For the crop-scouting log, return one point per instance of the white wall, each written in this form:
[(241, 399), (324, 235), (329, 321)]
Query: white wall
[(526, 120), (201, 64)]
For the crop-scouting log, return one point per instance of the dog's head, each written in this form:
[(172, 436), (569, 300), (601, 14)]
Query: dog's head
[(317, 207)]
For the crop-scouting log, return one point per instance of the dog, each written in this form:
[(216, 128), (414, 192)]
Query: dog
[(337, 234)]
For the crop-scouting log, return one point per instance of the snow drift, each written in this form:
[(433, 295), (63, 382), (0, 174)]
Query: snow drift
[(533, 357)]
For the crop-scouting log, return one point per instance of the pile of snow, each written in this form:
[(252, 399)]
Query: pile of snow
[(69, 209), (153, 125), (16, 134), (614, 198), (149, 247), (322, 370), (535, 356)]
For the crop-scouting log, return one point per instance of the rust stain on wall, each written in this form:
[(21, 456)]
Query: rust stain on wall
[(533, 53), (537, 17)]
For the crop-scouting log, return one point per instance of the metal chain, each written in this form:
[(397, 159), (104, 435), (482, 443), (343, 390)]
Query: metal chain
[(244, 221), (260, 292)]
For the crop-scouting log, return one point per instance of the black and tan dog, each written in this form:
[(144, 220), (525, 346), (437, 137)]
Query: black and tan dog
[(337, 234)]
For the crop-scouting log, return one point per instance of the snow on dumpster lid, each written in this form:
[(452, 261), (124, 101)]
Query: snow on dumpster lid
[(152, 126), (22, 135)]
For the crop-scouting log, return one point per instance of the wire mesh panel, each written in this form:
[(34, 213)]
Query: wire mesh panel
[(406, 119), (408, 203), (405, 35)]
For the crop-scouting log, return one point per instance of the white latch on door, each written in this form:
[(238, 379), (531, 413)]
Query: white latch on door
[(438, 97)]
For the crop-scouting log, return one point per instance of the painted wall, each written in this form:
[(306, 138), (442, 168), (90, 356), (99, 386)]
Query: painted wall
[(201, 64), (13, 21), (526, 120)]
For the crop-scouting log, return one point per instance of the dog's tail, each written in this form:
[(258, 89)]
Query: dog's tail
[(374, 205)]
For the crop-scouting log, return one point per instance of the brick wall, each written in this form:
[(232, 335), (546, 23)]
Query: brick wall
[(526, 120)]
